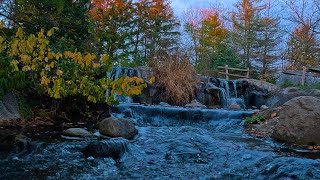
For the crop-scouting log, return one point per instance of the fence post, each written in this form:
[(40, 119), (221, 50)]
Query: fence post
[(248, 72), (304, 69), (227, 72)]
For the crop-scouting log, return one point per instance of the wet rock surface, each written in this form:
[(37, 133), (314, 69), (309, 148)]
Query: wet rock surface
[(210, 146), (113, 148)]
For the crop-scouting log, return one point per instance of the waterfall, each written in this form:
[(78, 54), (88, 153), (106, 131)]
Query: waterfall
[(224, 97), (226, 87), (234, 82), (229, 96)]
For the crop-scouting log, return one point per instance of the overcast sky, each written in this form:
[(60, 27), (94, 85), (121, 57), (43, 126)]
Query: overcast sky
[(181, 5)]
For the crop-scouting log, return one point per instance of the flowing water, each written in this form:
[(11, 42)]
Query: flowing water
[(173, 143), (230, 95)]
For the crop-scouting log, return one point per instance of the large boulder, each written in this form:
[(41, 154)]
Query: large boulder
[(263, 85), (299, 121), (116, 127), (286, 94), (207, 92), (254, 92)]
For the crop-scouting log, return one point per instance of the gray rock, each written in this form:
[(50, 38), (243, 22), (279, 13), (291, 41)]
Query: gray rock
[(210, 88), (263, 107), (164, 104), (116, 127), (9, 108), (263, 85), (299, 121), (195, 104), (288, 93), (77, 132), (296, 79), (234, 106), (100, 136), (72, 137), (207, 93), (23, 143)]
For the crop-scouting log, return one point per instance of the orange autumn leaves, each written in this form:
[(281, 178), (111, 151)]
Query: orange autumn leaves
[(103, 6), (206, 25), (100, 8)]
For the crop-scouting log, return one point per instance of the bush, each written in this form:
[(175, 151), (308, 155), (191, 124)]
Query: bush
[(255, 119), (176, 77), (60, 73)]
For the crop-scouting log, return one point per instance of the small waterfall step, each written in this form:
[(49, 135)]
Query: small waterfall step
[(178, 114)]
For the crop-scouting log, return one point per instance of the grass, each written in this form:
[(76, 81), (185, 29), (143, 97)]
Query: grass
[(177, 77), (306, 86), (255, 119)]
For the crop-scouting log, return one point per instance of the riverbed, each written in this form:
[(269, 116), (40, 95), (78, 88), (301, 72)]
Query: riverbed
[(173, 143)]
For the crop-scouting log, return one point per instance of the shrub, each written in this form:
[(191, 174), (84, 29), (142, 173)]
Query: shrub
[(176, 77), (255, 119), (61, 74)]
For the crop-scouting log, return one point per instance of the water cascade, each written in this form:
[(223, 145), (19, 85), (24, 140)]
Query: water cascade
[(229, 95)]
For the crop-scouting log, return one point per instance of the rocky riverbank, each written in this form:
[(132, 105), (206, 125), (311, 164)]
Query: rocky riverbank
[(210, 144)]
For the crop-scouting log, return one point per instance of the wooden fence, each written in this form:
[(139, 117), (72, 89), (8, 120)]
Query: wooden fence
[(315, 72), (227, 74)]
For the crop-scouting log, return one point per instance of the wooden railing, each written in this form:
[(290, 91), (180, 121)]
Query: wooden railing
[(227, 74), (314, 72)]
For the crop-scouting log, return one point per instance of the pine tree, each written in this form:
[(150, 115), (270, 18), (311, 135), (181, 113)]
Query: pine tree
[(161, 33), (209, 38), (246, 22), (113, 24), (268, 39)]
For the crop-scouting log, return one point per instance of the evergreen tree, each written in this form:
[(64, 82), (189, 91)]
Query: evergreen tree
[(209, 39), (160, 30), (113, 24), (246, 23), (268, 40)]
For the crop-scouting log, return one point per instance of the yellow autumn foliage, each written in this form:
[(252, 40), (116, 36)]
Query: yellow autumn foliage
[(67, 73)]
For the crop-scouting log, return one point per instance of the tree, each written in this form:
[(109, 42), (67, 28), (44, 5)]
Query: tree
[(209, 37), (33, 15), (113, 24), (246, 22), (268, 39), (302, 48), (61, 74), (304, 12), (160, 28), (134, 32)]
